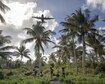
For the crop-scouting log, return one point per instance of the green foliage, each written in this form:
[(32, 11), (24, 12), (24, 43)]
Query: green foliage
[(90, 64), (100, 68), (19, 77), (10, 73), (101, 75), (1, 75), (54, 79), (79, 28), (67, 80)]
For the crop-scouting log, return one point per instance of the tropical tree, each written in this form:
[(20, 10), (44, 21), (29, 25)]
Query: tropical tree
[(22, 52), (62, 49), (52, 58), (83, 24), (18, 63), (40, 36), (4, 48), (3, 8), (64, 52), (96, 41), (70, 35)]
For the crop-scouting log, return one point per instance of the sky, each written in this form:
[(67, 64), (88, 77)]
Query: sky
[(20, 16)]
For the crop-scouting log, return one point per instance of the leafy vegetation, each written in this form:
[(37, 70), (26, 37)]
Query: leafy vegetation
[(71, 63)]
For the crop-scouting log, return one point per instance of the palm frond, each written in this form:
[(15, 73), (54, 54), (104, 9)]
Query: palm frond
[(3, 7), (2, 19), (30, 31), (6, 48), (27, 57), (28, 40), (5, 54)]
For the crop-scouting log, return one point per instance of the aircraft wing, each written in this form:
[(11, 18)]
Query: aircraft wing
[(47, 18), (36, 17)]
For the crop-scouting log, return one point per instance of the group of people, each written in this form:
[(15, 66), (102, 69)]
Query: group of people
[(35, 71), (52, 72)]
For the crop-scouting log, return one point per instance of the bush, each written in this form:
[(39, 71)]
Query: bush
[(10, 73), (90, 64), (101, 75), (54, 78), (1, 75), (68, 81), (28, 73), (101, 68)]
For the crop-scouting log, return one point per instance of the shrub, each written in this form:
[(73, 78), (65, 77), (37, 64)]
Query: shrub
[(1, 75), (68, 81), (101, 68), (10, 73), (28, 73), (101, 75), (54, 78)]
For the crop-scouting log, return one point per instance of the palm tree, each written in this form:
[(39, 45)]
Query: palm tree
[(64, 49), (96, 42), (40, 36), (4, 49), (3, 8), (83, 25), (52, 58), (22, 52), (71, 35), (18, 63)]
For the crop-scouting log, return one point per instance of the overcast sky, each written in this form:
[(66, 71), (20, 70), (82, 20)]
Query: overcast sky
[(20, 16)]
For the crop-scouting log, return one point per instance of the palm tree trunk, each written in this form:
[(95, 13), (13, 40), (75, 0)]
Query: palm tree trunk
[(93, 62), (75, 57), (59, 60), (40, 65), (21, 58), (96, 57), (84, 54), (38, 55)]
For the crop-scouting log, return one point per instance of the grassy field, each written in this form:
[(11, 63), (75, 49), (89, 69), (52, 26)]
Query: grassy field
[(23, 75)]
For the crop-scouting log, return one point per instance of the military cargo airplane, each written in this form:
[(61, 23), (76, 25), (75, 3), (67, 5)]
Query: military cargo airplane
[(42, 18)]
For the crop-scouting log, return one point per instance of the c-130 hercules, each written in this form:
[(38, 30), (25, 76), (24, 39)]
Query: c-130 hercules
[(42, 18)]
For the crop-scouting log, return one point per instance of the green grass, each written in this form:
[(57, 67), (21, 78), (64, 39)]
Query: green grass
[(19, 77)]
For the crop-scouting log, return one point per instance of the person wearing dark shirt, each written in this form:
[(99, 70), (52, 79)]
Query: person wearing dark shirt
[(63, 71), (51, 71)]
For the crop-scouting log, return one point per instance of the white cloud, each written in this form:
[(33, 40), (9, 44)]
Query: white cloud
[(21, 1), (102, 30), (96, 4), (19, 17), (19, 12)]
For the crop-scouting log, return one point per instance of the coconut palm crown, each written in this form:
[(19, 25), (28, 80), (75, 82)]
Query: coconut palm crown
[(3, 8)]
